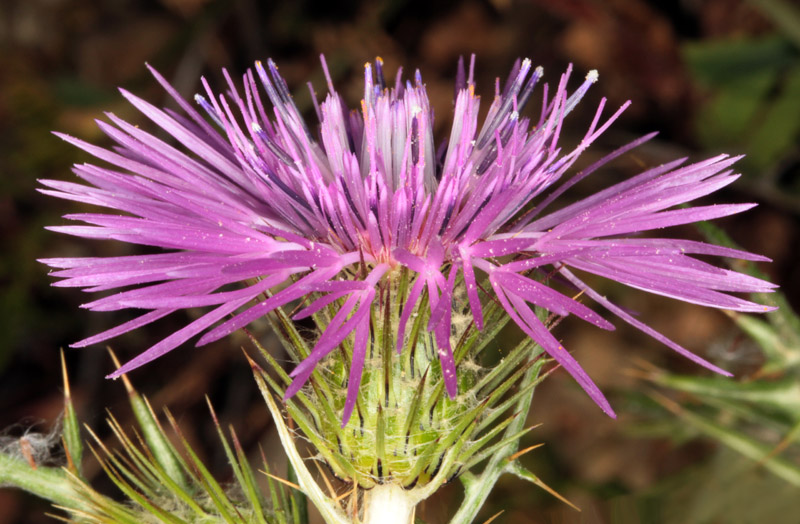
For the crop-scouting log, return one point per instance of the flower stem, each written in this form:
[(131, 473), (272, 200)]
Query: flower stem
[(389, 504), (49, 483), (477, 488)]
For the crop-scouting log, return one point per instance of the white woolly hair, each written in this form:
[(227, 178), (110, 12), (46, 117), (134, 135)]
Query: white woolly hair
[(43, 449)]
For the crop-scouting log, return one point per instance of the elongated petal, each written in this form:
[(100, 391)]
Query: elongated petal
[(532, 326), (246, 211)]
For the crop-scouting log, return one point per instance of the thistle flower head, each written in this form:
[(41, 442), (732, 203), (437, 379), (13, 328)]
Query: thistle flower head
[(246, 192)]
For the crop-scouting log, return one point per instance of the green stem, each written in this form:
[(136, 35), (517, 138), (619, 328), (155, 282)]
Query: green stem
[(477, 488), (48, 483)]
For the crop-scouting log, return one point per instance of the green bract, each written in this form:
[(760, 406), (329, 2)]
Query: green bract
[(405, 429)]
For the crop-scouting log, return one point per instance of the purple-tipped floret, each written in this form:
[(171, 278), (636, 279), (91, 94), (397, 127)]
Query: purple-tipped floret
[(248, 195)]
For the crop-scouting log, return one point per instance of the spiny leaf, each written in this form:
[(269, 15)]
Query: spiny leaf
[(513, 400), (380, 443), (340, 465), (485, 439), (495, 448), (329, 509), (783, 395), (153, 433), (241, 469), (517, 469), (145, 471), (203, 476), (117, 474), (277, 493), (71, 434), (735, 440)]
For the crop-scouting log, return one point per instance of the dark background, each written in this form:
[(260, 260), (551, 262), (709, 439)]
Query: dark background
[(693, 69)]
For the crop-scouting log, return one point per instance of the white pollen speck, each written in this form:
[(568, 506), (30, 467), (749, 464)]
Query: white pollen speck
[(592, 75)]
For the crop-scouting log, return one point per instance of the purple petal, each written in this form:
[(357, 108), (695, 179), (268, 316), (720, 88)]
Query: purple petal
[(408, 308), (472, 291), (130, 325), (543, 296), (179, 337), (356, 368), (641, 326), (527, 321)]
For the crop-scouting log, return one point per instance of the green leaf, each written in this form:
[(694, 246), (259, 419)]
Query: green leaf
[(743, 76), (101, 508), (779, 126), (477, 488), (737, 441), (485, 439), (780, 356), (728, 116), (727, 64), (727, 489), (782, 395), (145, 472), (513, 438)]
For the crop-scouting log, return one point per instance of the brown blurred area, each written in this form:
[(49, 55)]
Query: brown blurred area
[(62, 60)]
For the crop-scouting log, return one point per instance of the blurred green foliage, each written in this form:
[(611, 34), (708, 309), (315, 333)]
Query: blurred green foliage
[(753, 84), (755, 103)]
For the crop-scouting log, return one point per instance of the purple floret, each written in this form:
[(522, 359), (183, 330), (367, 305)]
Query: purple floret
[(249, 196)]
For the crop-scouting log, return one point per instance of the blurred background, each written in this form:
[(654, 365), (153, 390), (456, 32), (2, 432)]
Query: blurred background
[(711, 75)]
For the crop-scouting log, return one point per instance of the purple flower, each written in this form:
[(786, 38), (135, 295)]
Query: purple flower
[(252, 195)]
